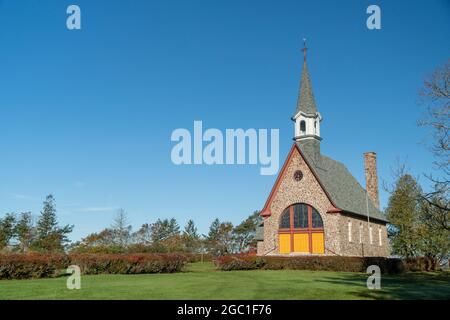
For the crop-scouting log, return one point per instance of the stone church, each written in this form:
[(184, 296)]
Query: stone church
[(316, 206)]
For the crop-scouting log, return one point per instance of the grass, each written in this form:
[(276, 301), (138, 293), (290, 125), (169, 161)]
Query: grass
[(202, 281)]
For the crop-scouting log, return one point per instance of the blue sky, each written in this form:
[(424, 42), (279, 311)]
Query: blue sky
[(87, 114)]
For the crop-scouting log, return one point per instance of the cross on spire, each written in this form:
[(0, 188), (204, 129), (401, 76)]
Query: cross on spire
[(305, 48)]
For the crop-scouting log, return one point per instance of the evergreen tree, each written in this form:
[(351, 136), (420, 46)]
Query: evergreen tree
[(164, 229), (403, 214), (24, 231), (7, 229), (213, 233), (191, 238), (220, 238), (50, 237)]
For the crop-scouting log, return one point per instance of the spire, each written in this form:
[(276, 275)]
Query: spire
[(305, 102)]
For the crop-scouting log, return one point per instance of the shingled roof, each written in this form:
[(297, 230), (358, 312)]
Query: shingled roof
[(305, 101), (346, 193)]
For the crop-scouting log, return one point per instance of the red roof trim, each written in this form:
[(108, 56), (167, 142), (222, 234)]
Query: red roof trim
[(265, 212)]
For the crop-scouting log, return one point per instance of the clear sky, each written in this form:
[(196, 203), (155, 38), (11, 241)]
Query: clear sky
[(87, 114)]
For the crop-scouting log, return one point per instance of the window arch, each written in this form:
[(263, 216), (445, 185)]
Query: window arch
[(301, 230), (302, 126), (302, 216)]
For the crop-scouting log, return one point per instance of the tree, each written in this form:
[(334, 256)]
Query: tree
[(245, 232), (220, 238), (435, 95), (143, 235), (164, 229), (7, 229), (435, 242), (403, 214), (50, 237), (225, 241), (24, 231), (213, 233), (191, 238), (121, 230)]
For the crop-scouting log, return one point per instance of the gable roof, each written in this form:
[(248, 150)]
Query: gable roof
[(339, 185), (345, 191)]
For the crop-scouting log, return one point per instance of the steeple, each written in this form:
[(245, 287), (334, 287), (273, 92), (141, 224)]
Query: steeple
[(305, 101), (307, 119)]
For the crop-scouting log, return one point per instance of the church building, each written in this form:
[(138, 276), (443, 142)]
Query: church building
[(316, 206)]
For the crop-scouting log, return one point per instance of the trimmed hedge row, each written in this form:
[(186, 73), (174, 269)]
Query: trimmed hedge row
[(26, 266), (324, 263)]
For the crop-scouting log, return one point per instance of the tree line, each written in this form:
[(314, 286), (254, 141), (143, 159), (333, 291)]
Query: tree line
[(18, 233), (166, 235)]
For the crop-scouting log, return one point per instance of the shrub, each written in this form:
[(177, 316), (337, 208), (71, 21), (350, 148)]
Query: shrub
[(128, 263), (239, 262), (420, 264), (324, 263), (35, 265), (26, 266)]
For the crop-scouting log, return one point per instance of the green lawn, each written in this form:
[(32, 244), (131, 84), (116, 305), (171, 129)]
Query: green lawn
[(202, 281)]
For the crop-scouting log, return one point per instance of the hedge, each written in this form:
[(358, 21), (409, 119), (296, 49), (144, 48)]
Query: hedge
[(323, 263), (26, 266)]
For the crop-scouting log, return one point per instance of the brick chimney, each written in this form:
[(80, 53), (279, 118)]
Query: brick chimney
[(370, 168)]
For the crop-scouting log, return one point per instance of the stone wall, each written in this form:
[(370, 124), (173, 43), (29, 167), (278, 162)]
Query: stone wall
[(361, 246), (290, 191)]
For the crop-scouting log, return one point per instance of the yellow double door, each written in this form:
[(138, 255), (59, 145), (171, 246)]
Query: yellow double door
[(300, 242)]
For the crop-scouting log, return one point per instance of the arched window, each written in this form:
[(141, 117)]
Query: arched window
[(301, 230), (302, 126)]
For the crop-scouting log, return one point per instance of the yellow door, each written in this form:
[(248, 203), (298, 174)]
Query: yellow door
[(285, 243), (301, 242), (318, 245)]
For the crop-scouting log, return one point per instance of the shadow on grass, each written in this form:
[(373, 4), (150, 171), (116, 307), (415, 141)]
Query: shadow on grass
[(420, 285)]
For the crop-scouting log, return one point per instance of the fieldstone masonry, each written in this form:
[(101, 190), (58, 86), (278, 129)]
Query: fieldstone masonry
[(308, 190), (370, 169)]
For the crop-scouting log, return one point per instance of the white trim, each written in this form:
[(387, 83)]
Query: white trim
[(360, 232), (349, 226), (380, 241)]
